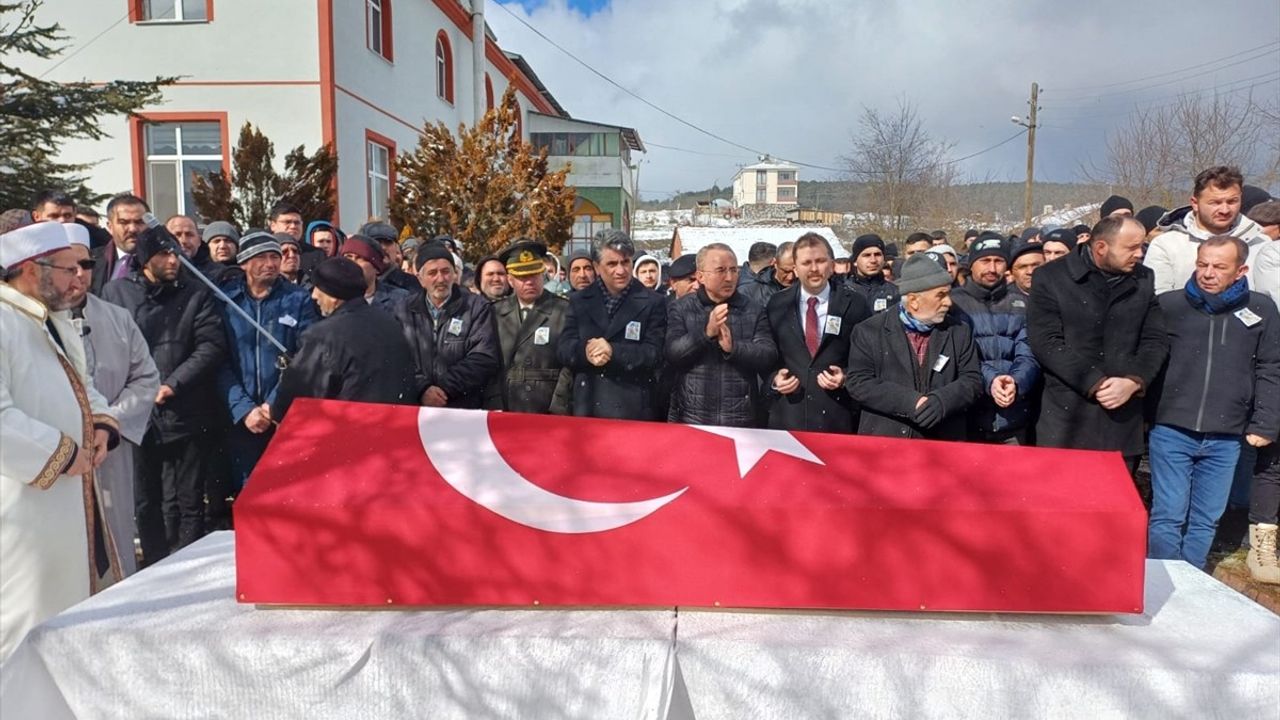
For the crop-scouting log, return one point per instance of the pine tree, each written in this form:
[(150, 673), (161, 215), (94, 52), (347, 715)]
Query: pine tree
[(37, 116), (485, 186), (246, 197)]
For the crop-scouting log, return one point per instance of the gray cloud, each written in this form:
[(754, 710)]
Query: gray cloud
[(791, 76)]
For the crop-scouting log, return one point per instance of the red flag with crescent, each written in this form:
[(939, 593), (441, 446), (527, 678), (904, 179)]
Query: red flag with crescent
[(376, 505)]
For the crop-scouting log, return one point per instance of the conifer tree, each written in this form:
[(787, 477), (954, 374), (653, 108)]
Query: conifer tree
[(38, 115), (246, 197), (485, 186)]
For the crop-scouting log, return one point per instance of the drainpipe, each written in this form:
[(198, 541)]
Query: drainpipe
[(477, 59)]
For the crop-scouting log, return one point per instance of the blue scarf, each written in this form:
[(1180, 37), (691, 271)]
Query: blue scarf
[(909, 322), (1229, 299)]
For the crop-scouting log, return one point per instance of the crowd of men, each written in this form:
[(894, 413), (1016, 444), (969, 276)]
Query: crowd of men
[(1153, 332)]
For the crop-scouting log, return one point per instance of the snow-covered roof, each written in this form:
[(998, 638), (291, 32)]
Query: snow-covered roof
[(741, 239), (649, 236), (1067, 216)]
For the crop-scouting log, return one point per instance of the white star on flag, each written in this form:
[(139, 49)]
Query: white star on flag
[(751, 445)]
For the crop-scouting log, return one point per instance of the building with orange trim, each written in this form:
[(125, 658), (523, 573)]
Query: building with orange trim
[(363, 75)]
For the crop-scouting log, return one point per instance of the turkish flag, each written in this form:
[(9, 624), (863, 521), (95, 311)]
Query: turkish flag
[(375, 505)]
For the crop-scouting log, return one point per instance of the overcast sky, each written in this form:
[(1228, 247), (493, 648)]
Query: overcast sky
[(790, 77)]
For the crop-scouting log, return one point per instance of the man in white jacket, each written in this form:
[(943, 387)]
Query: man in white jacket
[(56, 429), (1266, 271), (1214, 210)]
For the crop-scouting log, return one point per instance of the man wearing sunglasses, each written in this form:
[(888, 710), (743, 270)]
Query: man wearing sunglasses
[(118, 360), (56, 427)]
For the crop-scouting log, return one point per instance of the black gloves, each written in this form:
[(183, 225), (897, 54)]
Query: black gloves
[(930, 413)]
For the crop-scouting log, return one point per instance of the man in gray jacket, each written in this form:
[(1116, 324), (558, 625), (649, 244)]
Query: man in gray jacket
[(117, 358), (1222, 381)]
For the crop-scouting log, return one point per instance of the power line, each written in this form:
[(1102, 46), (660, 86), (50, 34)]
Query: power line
[(1084, 113), (649, 143), (944, 163), (709, 133), (87, 43), (669, 114), (1144, 88), (1170, 72)]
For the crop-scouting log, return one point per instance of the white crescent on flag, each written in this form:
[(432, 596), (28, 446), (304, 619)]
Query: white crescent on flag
[(460, 447)]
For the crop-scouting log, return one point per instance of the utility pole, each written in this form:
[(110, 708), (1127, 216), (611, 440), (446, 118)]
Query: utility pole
[(1030, 124)]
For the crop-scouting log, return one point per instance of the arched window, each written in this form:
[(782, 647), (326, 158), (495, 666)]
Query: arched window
[(444, 68), (488, 92)]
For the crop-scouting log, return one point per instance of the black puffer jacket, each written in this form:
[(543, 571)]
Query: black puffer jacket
[(713, 387), (764, 286), (998, 319), (188, 342), (459, 353), (879, 293)]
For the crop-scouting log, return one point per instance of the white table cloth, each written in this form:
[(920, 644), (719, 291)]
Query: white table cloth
[(171, 642), (1200, 650)]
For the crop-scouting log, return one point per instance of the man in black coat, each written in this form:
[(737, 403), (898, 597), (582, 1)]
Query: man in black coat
[(451, 334), (613, 336), (867, 276), (530, 321), (812, 323), (116, 260), (717, 344), (184, 330), (915, 369), (1098, 332), (355, 353)]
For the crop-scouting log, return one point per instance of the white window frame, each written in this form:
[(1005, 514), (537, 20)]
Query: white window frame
[(373, 27), (442, 71), (177, 161), (179, 15), (373, 176)]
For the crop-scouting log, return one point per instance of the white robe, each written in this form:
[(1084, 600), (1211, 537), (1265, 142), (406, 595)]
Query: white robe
[(47, 409), (120, 362)]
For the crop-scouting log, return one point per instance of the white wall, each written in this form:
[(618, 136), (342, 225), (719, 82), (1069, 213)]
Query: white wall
[(274, 40), (403, 90), (243, 44), (260, 61)]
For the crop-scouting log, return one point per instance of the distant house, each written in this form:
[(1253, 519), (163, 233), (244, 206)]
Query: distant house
[(688, 239), (600, 170), (811, 216), (768, 182)]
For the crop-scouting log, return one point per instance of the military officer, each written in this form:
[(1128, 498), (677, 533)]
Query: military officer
[(530, 321)]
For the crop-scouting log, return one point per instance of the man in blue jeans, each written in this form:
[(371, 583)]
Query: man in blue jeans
[(1222, 381)]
